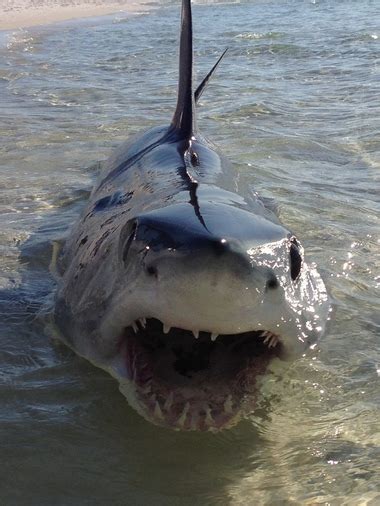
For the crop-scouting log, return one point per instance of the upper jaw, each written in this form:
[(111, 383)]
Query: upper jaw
[(270, 338), (135, 306), (274, 335)]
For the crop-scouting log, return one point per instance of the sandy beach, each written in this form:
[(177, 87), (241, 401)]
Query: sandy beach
[(25, 13)]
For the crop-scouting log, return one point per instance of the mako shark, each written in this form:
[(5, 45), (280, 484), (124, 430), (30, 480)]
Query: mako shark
[(182, 289)]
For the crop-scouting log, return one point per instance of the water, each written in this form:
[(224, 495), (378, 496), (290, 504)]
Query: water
[(296, 105)]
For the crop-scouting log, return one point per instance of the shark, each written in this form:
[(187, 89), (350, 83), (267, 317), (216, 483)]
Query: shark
[(182, 289)]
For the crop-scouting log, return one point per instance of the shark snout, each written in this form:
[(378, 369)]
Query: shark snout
[(185, 245), (200, 257), (176, 240), (190, 273)]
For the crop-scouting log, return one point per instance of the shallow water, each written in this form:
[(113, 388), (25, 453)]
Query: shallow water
[(295, 104)]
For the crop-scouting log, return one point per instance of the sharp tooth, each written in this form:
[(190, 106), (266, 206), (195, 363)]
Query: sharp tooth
[(214, 336), (270, 339), (194, 424), (169, 401), (273, 342), (147, 389), (228, 404), (209, 419), (182, 419), (166, 328), (158, 412), (142, 322), (135, 327), (196, 333)]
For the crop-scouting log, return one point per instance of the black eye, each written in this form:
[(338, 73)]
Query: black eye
[(295, 259)]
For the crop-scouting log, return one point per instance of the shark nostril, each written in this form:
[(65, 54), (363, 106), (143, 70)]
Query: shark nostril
[(152, 270), (272, 283)]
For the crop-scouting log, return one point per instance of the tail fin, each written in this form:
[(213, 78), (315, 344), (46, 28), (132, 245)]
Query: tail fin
[(184, 115)]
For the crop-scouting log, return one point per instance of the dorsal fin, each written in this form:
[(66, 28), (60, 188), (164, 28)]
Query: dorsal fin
[(204, 83), (184, 117)]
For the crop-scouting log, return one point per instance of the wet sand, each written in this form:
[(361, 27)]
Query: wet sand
[(24, 13)]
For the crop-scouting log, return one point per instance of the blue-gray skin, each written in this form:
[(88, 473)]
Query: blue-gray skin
[(179, 287)]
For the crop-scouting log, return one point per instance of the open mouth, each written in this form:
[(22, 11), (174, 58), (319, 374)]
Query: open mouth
[(195, 380)]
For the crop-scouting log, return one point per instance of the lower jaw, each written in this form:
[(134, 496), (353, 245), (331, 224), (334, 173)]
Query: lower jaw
[(196, 416), (213, 408)]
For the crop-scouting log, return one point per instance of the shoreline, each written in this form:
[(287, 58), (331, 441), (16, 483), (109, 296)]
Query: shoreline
[(19, 14)]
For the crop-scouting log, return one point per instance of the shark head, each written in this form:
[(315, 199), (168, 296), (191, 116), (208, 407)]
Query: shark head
[(201, 308)]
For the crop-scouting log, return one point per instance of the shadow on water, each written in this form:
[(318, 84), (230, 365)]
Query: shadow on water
[(68, 435)]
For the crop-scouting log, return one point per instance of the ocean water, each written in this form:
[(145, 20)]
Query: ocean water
[(295, 104)]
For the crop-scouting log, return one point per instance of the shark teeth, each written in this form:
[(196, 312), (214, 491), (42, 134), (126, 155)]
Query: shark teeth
[(182, 419), (158, 411), (142, 322), (192, 414), (169, 401), (209, 419), (135, 324), (271, 340), (166, 328)]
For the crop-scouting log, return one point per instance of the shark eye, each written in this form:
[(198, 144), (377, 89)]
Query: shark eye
[(295, 258)]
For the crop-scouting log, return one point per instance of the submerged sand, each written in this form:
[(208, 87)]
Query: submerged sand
[(24, 13)]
